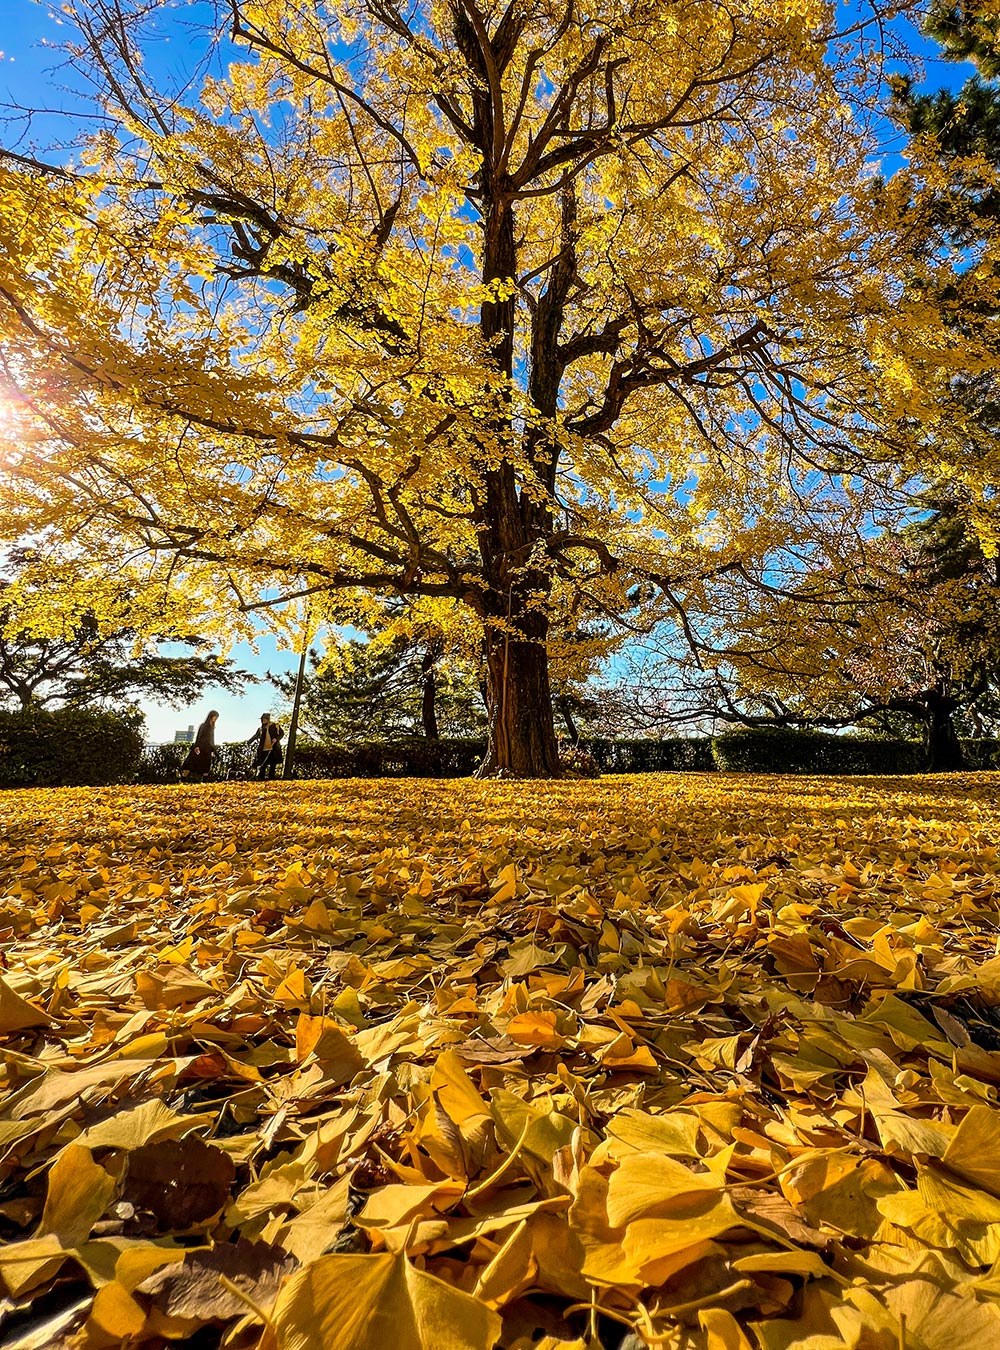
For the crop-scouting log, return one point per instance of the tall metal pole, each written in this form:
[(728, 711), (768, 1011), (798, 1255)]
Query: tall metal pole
[(293, 725)]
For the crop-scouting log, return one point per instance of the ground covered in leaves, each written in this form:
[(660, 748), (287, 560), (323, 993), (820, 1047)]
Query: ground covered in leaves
[(695, 1062)]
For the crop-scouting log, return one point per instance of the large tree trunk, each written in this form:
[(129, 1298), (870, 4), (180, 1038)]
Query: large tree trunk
[(522, 739), (944, 749), (514, 612)]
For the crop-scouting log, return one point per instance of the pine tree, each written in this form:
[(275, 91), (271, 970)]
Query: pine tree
[(386, 691)]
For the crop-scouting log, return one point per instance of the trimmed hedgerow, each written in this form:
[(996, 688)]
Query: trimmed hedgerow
[(787, 750), (67, 747)]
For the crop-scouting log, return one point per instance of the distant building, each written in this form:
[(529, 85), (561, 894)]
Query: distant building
[(184, 737)]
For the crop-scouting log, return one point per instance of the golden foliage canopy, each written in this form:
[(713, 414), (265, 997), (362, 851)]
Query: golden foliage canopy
[(471, 302)]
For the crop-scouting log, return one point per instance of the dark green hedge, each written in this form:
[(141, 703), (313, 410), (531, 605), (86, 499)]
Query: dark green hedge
[(68, 747), (672, 754), (367, 759), (159, 763), (461, 758), (453, 758), (418, 758), (781, 750), (741, 750)]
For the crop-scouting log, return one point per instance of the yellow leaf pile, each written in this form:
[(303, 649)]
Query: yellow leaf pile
[(703, 1063)]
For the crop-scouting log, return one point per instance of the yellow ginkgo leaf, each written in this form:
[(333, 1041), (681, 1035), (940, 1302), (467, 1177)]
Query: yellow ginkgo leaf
[(536, 1028), (722, 1331), (16, 1013), (650, 1182), (974, 1151), (374, 1302), (79, 1193), (926, 1317)]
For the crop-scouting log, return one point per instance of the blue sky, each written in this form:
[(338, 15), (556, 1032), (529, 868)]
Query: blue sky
[(30, 76), (238, 714)]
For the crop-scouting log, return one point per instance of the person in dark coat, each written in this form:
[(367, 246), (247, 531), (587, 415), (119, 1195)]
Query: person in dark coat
[(266, 746), (269, 754), (199, 757), (256, 739)]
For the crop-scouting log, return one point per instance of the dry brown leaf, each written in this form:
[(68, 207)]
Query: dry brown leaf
[(193, 1289), (180, 1182)]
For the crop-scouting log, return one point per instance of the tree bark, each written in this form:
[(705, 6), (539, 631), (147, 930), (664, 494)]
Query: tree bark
[(944, 749), (522, 739), (562, 703), (514, 612), (428, 706)]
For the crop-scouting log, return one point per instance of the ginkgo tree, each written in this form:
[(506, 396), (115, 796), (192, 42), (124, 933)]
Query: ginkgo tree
[(495, 303), (53, 652), (902, 635)]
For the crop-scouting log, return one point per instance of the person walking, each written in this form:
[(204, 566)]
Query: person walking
[(199, 757), (271, 745), (266, 741)]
